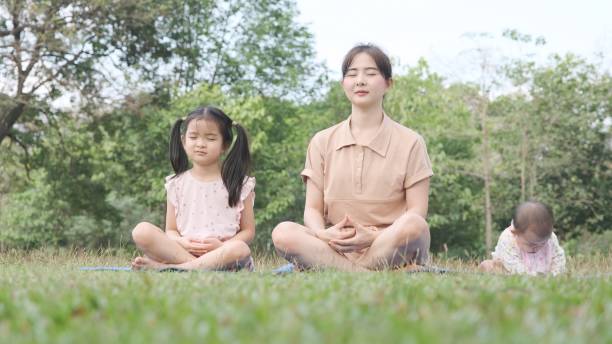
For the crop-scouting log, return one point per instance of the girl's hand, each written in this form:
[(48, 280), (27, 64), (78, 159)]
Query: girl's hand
[(363, 238), (193, 246), (338, 231), (211, 243)]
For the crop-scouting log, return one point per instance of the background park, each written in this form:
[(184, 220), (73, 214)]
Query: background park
[(89, 90)]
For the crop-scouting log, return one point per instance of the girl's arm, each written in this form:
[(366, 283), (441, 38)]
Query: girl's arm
[(247, 221), (417, 198), (171, 228)]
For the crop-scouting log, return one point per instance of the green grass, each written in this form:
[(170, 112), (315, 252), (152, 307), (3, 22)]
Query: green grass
[(45, 298)]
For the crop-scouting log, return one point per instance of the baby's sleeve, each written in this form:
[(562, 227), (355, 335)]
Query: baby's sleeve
[(557, 265), (508, 254)]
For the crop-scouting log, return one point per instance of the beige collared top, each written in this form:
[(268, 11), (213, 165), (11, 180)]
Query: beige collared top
[(366, 182)]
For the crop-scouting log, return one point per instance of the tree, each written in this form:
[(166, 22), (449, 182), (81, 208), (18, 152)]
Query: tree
[(49, 48)]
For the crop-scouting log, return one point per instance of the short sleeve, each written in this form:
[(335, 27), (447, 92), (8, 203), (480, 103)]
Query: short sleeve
[(419, 165), (247, 188), (557, 264), (314, 165), (171, 191)]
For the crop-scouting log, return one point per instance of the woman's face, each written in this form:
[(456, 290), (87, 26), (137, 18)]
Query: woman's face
[(363, 84)]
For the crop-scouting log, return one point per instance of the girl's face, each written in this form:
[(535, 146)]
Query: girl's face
[(203, 142), (363, 83), (529, 242)]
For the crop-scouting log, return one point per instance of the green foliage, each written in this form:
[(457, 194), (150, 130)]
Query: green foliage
[(85, 177)]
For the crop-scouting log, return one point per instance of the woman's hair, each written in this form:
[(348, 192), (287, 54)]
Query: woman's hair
[(237, 163), (536, 215), (380, 58)]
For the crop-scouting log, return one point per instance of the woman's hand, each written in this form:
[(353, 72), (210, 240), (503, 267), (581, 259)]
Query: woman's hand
[(363, 238), (338, 231)]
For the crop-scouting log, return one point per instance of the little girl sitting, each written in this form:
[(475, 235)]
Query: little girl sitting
[(529, 245), (209, 217)]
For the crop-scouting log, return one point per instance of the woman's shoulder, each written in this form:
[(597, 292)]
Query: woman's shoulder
[(404, 131), (326, 133)]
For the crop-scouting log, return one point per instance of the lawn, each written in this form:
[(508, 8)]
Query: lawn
[(45, 298)]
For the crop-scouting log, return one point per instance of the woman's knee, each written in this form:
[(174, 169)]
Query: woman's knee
[(142, 233), (413, 227), (282, 236)]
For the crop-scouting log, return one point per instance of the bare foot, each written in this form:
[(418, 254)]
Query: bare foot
[(146, 263)]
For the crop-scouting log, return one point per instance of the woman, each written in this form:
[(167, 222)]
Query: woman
[(367, 183)]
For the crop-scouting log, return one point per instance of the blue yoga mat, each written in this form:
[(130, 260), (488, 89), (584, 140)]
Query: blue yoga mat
[(105, 268), (124, 268)]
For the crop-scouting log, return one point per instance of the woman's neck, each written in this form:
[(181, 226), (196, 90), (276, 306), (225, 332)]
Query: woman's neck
[(363, 119), (206, 172)]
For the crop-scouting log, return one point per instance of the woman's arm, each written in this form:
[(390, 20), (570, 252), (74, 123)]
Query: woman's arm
[(314, 221), (417, 198), (313, 209)]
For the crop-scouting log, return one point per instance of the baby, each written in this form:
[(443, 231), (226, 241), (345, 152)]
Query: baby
[(529, 245)]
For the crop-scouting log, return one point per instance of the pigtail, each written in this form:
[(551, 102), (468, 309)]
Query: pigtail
[(177, 154), (236, 166)]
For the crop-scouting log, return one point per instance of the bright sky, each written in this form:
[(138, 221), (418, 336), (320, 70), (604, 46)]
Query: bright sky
[(435, 29)]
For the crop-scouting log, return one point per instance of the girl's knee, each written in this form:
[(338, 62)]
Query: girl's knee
[(142, 233), (237, 250)]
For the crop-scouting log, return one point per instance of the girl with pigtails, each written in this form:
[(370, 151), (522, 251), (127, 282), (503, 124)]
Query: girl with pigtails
[(209, 217)]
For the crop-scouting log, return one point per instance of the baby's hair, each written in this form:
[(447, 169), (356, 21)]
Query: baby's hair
[(533, 213), (383, 63), (237, 163)]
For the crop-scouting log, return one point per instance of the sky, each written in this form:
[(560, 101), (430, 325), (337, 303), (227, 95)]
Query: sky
[(438, 30)]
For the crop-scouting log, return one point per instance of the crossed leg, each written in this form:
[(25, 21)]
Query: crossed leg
[(406, 241), (162, 252)]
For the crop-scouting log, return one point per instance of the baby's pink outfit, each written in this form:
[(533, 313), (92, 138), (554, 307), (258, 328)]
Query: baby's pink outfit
[(201, 208), (548, 259)]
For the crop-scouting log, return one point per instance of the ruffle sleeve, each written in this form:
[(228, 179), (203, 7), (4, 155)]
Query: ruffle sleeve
[(171, 190), (247, 188)]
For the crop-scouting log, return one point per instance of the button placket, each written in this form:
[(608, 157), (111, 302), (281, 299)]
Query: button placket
[(359, 170)]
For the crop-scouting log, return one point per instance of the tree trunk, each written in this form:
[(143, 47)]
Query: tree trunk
[(524, 151), (9, 114), (486, 173)]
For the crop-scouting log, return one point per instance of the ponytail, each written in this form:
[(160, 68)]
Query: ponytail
[(177, 154), (236, 165)]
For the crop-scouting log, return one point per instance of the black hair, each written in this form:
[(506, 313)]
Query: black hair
[(533, 212), (383, 63), (237, 163)]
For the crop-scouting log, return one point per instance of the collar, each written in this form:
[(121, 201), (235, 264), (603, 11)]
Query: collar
[(380, 142)]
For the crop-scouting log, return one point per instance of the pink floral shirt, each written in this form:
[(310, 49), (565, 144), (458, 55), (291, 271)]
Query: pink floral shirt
[(549, 259), (201, 208)]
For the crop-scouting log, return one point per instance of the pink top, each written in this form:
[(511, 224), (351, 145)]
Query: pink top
[(548, 259), (201, 208)]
